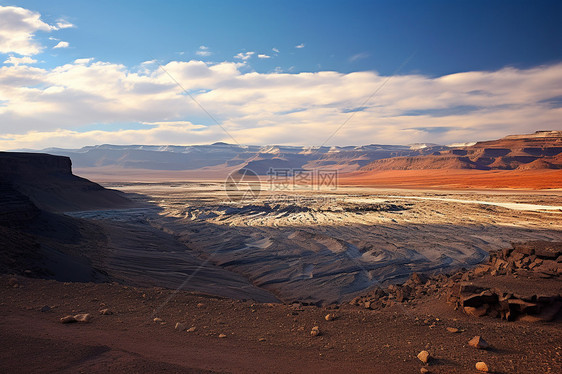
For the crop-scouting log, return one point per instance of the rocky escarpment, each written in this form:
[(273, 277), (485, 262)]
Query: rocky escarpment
[(47, 181), (34, 239)]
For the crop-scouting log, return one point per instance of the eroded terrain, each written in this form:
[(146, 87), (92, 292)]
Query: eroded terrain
[(327, 246)]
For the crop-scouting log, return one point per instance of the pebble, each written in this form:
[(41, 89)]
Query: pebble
[(315, 331), (330, 317), (261, 339), (452, 330), (478, 342), (424, 371), (83, 317), (424, 356), (157, 320), (45, 309), (13, 282), (67, 319), (200, 305), (180, 326), (106, 312), (191, 329), (481, 366), (222, 336)]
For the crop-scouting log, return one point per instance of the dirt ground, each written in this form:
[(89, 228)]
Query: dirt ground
[(272, 338)]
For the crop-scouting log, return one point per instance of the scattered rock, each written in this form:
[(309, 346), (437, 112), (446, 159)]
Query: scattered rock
[(68, 319), (424, 371), (478, 342), (180, 326), (476, 312), (200, 305), (222, 336), (83, 317), (315, 331), (481, 366), (424, 356), (330, 317), (418, 278), (45, 309), (13, 282), (191, 329), (106, 312), (157, 320), (452, 330), (261, 340)]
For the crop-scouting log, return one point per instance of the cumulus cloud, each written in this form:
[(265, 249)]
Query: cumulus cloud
[(300, 46), (46, 107), (244, 56), (20, 60), (18, 28), (203, 51), (263, 56), (61, 45)]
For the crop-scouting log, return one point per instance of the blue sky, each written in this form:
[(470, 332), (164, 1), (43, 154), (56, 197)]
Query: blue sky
[(446, 36), (251, 45)]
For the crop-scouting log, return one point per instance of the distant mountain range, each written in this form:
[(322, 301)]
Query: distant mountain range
[(541, 150)]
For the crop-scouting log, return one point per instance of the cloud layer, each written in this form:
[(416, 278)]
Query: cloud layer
[(89, 102), (48, 107)]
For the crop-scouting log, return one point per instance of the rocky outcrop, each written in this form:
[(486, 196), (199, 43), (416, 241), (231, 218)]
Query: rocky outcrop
[(523, 282)]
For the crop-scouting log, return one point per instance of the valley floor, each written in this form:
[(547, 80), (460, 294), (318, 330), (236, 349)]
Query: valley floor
[(272, 338)]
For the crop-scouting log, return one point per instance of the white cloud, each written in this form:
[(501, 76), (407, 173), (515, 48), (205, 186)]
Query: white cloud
[(275, 50), (18, 28), (263, 56), (62, 24), (81, 61), (358, 56), (46, 107), (184, 124), (20, 60), (244, 56), (300, 46), (203, 51), (61, 45)]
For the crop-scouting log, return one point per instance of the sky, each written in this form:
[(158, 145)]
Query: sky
[(76, 73)]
